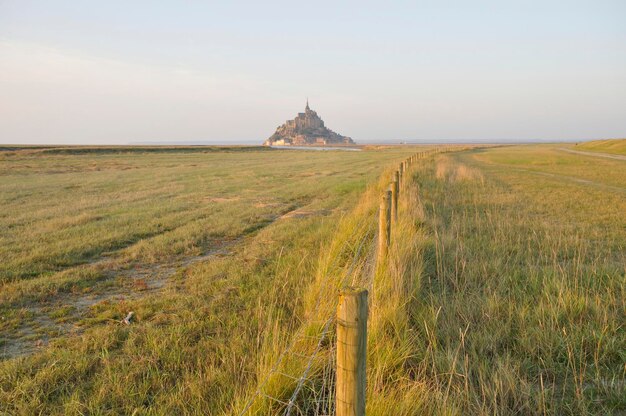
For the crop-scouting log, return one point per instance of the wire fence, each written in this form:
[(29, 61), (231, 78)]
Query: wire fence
[(302, 380), (313, 345)]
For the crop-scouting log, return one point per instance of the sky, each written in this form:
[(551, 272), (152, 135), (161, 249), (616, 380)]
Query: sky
[(119, 72)]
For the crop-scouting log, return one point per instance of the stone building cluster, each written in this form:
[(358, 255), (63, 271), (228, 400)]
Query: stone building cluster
[(307, 129)]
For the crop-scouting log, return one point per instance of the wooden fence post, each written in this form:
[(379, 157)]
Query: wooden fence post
[(384, 226), (351, 352), (395, 189), (396, 178)]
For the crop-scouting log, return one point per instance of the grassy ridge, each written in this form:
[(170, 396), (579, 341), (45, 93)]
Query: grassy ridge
[(350, 260), (616, 146)]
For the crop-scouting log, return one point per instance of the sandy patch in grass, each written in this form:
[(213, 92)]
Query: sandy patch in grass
[(221, 199), (300, 213), (266, 204)]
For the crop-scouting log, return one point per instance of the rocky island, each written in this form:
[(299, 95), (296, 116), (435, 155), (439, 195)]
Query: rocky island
[(307, 129)]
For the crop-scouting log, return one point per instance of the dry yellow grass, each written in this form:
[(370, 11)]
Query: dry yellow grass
[(503, 293)]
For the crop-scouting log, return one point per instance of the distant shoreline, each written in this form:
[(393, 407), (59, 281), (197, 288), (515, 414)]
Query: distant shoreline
[(318, 148), (255, 144)]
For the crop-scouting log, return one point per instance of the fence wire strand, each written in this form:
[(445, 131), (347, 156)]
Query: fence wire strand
[(324, 404), (318, 385), (327, 328)]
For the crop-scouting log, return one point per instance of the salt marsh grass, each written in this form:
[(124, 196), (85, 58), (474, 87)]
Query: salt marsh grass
[(503, 292)]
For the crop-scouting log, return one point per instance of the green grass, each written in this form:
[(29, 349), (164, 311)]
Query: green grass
[(521, 309), (503, 292), (77, 226), (616, 146)]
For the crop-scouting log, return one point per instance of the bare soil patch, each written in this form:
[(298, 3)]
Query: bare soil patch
[(61, 315)]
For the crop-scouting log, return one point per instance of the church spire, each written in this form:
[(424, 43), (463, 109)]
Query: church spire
[(307, 104)]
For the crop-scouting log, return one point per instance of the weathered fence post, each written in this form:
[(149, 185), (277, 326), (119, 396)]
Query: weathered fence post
[(396, 178), (384, 226), (395, 189), (351, 352)]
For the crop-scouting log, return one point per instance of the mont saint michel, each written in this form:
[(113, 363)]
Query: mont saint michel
[(306, 129)]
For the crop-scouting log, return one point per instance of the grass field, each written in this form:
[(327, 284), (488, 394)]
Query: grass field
[(614, 146), (207, 248), (504, 292), (522, 305)]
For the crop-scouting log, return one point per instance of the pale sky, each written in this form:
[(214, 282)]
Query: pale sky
[(116, 72)]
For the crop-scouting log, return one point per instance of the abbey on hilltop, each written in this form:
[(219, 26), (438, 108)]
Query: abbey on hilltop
[(305, 130)]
